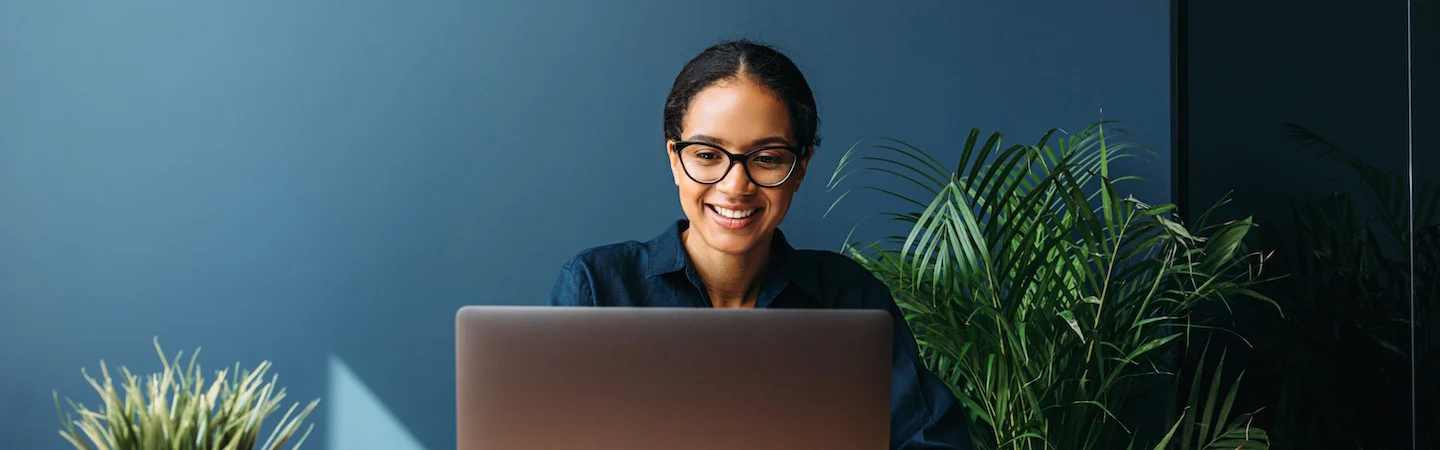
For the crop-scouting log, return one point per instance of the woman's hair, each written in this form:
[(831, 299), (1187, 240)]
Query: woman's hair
[(761, 63)]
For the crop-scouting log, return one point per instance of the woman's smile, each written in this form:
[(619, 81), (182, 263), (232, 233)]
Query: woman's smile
[(733, 217)]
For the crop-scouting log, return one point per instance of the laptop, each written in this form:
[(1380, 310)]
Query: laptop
[(616, 378)]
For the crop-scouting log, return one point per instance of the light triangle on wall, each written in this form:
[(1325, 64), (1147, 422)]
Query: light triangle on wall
[(357, 420)]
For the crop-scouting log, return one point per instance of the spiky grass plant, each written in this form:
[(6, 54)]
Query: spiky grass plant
[(1047, 301), (177, 409)]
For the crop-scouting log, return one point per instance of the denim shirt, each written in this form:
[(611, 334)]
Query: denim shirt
[(925, 415)]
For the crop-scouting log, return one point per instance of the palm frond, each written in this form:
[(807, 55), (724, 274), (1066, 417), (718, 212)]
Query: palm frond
[(1039, 293)]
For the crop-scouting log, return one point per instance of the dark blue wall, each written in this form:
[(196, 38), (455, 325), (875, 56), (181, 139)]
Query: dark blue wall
[(297, 181)]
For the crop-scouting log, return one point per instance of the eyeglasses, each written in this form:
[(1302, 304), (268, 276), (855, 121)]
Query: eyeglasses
[(706, 163)]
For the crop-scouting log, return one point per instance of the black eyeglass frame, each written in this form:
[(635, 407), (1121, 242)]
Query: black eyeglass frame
[(742, 159)]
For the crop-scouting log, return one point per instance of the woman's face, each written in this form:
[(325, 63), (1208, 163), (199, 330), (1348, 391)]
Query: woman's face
[(738, 116)]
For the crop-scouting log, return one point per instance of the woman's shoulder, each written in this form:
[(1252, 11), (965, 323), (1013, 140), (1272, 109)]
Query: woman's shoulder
[(827, 273), (586, 278), (628, 253), (609, 255)]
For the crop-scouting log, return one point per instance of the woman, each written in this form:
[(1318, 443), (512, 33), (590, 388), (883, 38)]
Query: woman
[(740, 127)]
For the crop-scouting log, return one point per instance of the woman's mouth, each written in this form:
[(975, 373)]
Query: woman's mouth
[(732, 218)]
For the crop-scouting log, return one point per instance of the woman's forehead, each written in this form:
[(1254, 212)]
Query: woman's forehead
[(736, 113), (721, 142)]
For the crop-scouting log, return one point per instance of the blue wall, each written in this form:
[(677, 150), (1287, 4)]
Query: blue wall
[(324, 183)]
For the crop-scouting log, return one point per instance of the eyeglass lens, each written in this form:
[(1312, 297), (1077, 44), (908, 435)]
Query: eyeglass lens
[(766, 167)]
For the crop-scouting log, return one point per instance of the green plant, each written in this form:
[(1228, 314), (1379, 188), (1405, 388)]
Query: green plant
[(1046, 300), (176, 409), (1203, 427)]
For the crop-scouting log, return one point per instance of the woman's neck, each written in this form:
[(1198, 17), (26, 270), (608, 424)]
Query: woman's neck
[(733, 281)]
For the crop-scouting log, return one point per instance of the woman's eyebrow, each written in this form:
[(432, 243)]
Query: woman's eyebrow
[(707, 139), (769, 141)]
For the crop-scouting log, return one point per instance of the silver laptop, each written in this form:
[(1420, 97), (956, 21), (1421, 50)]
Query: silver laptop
[(609, 378)]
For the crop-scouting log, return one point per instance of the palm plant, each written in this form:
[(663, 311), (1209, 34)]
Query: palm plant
[(176, 410), (1201, 426), (1047, 301)]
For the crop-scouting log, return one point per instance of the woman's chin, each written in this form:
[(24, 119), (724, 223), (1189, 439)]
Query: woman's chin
[(728, 242)]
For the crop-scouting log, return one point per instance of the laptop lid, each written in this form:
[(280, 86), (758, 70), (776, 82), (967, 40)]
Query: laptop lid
[(608, 378)]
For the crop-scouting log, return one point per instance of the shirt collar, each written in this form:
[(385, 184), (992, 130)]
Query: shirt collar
[(666, 255)]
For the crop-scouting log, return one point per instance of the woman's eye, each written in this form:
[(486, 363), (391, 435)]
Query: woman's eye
[(772, 158)]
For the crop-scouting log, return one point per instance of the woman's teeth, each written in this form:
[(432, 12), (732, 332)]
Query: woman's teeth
[(734, 213)]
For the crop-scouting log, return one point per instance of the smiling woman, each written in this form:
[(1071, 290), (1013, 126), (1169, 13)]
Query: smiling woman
[(740, 128)]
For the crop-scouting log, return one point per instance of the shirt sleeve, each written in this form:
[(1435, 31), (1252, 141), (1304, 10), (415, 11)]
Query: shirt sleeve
[(572, 286), (925, 415)]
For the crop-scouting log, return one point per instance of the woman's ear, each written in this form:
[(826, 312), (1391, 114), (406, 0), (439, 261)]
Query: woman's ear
[(675, 170), (799, 174)]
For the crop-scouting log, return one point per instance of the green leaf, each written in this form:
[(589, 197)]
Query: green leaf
[(1222, 247), (1016, 236), (174, 409), (1070, 319), (1165, 441)]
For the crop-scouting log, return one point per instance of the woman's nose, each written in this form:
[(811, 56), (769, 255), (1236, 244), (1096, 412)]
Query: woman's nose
[(737, 181)]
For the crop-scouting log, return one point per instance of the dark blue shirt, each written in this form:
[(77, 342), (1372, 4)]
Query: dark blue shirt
[(924, 413)]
